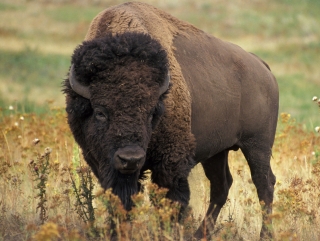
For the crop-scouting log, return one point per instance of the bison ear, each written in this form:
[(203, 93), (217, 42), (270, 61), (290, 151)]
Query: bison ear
[(77, 87), (165, 85)]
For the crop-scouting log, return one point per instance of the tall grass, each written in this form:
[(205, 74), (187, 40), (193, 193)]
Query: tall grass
[(48, 193)]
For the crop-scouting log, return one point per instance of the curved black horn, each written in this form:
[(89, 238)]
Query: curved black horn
[(165, 85), (76, 86)]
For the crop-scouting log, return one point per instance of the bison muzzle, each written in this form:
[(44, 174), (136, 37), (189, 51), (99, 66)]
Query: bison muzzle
[(129, 159), (146, 91)]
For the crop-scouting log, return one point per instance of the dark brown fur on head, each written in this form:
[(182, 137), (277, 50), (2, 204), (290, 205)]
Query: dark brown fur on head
[(124, 73)]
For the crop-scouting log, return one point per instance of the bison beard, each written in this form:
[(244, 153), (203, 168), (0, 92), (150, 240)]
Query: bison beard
[(122, 185)]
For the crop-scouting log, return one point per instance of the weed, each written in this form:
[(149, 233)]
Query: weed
[(40, 169), (84, 194)]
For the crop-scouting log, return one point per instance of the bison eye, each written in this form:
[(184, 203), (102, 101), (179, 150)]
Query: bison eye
[(100, 114), (151, 115)]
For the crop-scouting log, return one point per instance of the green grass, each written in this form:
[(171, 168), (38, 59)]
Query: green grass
[(25, 106), (266, 19), (284, 33), (303, 54), (7, 6), (34, 68), (30, 72), (72, 14), (296, 99)]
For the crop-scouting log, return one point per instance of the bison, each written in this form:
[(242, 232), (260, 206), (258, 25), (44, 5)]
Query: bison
[(146, 91)]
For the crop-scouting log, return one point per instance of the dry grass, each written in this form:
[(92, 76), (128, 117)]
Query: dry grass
[(39, 201), (47, 191)]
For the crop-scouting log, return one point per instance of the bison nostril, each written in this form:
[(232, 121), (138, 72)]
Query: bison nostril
[(123, 162)]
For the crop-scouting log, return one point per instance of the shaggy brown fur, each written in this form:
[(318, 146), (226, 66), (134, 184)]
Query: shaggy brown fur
[(116, 59), (220, 95)]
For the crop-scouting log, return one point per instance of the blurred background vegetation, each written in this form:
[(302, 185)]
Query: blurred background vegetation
[(37, 38)]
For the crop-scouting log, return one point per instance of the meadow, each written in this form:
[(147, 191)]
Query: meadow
[(48, 193)]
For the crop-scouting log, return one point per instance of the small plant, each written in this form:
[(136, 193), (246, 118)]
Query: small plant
[(113, 211), (40, 169), (167, 210), (83, 194)]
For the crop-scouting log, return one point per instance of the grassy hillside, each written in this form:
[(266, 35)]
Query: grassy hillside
[(38, 38)]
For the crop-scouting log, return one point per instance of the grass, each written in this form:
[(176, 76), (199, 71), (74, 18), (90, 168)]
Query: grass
[(294, 86), (7, 6), (48, 193), (70, 14), (27, 78)]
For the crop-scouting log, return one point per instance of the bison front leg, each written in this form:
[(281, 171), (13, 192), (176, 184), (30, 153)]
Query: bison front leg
[(217, 171), (175, 179), (180, 192)]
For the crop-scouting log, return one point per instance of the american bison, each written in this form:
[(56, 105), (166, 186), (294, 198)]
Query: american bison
[(146, 91)]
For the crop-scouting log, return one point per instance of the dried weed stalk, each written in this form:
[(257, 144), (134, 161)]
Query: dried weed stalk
[(40, 169)]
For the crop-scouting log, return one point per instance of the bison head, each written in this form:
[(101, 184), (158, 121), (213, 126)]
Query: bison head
[(115, 92)]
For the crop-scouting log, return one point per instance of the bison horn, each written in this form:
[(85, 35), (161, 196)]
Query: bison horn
[(76, 86), (165, 85)]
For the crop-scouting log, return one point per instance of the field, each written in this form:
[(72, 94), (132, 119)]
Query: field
[(48, 193)]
